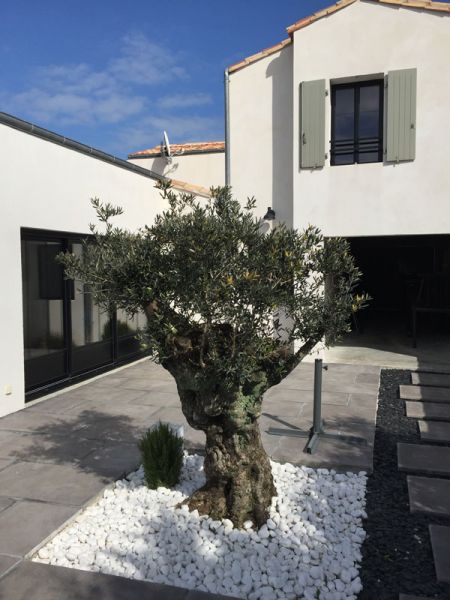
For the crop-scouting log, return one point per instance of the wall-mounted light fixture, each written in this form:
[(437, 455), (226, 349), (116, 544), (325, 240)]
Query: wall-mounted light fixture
[(270, 214)]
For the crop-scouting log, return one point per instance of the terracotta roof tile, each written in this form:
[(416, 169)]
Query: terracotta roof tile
[(190, 148), (421, 4), (266, 52)]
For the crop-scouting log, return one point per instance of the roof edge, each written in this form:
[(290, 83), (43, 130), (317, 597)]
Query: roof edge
[(60, 140), (259, 55), (329, 10), (190, 188), (144, 154), (443, 7)]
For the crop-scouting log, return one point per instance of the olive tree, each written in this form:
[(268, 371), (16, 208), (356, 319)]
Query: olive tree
[(224, 302)]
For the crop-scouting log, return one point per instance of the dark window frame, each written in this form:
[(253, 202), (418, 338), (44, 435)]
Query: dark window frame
[(353, 146), (71, 375)]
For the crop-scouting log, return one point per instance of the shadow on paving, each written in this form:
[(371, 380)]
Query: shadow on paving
[(94, 442), (397, 554)]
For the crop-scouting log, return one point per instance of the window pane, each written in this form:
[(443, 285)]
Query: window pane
[(91, 327), (42, 280), (43, 312), (369, 111), (344, 99), (368, 157), (344, 159), (344, 117), (89, 323)]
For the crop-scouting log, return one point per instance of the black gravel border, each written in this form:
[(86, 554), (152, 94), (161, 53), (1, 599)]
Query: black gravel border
[(397, 554)]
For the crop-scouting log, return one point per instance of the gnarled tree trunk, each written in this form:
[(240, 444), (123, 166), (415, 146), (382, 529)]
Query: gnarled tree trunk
[(239, 484)]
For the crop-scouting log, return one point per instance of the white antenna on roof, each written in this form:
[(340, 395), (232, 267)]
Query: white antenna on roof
[(165, 148)]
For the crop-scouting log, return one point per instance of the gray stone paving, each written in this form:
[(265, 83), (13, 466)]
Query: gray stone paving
[(435, 431), (425, 393), (415, 458), (440, 542), (26, 523), (435, 379), (430, 411), (34, 581), (429, 495), (59, 453)]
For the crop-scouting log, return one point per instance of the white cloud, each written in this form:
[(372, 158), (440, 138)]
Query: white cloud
[(80, 94), (184, 100), (145, 63)]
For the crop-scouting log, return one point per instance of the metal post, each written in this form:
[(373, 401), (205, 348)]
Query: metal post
[(316, 433), (317, 428), (317, 414)]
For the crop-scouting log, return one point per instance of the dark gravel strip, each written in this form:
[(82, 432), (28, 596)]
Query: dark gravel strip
[(397, 555)]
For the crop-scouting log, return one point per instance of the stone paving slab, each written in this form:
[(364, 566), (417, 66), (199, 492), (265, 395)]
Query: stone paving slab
[(432, 460), (7, 562), (430, 411), (35, 581), (341, 454), (56, 447), (305, 396), (31, 421), (5, 502), (50, 483), (429, 495), (433, 379), (434, 431), (424, 393), (440, 542), (113, 461), (27, 523), (4, 463)]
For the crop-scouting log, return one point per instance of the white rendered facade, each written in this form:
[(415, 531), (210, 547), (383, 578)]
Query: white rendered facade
[(364, 39)]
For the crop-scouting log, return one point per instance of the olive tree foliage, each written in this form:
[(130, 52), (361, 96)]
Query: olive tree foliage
[(224, 303)]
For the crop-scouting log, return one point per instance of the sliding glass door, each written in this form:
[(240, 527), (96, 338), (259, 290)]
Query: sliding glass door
[(66, 335), (44, 312)]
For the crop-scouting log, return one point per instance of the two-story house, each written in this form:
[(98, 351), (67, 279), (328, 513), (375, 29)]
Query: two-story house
[(345, 125)]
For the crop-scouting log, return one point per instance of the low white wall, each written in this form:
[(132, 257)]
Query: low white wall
[(46, 186), (205, 169), (378, 199), (261, 134)]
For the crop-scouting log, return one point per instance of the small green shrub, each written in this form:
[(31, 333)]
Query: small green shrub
[(162, 456)]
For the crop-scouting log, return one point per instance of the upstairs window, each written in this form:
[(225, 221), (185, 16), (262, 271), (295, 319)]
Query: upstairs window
[(357, 122)]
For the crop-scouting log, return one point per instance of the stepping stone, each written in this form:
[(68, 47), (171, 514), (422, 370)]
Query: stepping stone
[(440, 542), (430, 411), (424, 393), (408, 597), (37, 581), (434, 379), (429, 495), (432, 460), (434, 431)]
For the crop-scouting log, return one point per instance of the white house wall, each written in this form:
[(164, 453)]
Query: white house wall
[(378, 199), (204, 169), (46, 186), (261, 134)]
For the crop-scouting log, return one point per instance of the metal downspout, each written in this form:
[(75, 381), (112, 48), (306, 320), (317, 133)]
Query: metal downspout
[(227, 127)]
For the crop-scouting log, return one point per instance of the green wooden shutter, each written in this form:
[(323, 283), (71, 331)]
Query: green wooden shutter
[(312, 124), (401, 115)]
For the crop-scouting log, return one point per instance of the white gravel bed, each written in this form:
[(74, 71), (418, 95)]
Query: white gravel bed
[(309, 549)]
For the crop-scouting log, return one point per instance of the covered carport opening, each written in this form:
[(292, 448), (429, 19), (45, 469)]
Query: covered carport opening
[(408, 279)]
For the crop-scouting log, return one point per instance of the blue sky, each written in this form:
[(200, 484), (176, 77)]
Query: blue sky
[(114, 74)]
